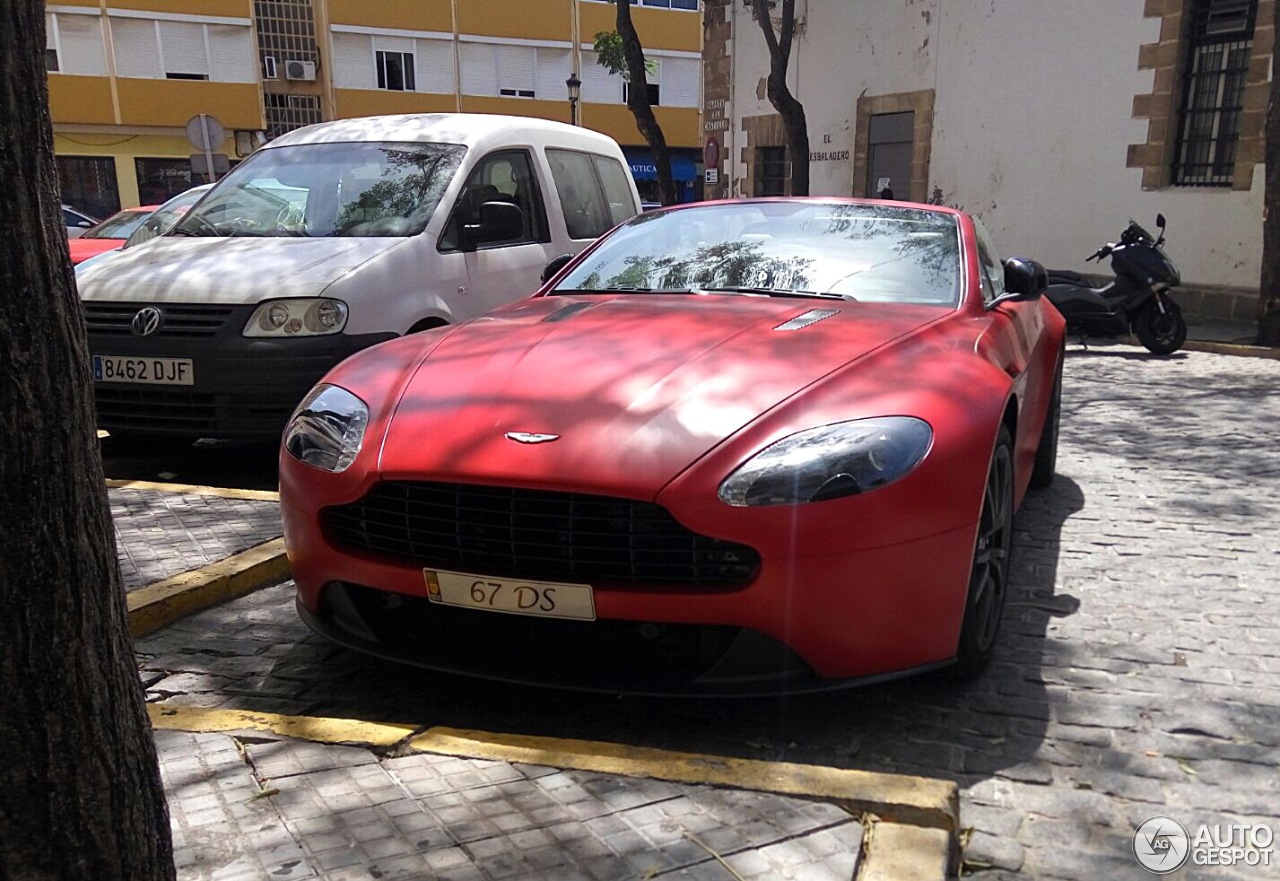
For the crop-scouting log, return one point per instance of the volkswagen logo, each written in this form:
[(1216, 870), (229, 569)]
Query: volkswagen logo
[(147, 321), (528, 437)]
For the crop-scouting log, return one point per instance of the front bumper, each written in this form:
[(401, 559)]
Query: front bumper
[(244, 387), (803, 622)]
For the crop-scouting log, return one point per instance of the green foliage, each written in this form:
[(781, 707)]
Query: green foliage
[(608, 46)]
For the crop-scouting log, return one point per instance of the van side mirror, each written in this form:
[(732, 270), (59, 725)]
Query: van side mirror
[(1024, 279), (556, 264), (499, 222)]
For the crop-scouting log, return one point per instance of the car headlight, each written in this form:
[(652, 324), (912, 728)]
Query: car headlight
[(830, 461), (327, 429), (313, 316)]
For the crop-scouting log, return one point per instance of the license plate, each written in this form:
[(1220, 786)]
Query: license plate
[(544, 599), (148, 371)]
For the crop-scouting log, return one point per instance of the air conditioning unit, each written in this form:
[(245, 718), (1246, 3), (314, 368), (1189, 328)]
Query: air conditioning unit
[(300, 70)]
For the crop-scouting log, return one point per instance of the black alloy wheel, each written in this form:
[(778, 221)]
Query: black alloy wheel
[(1162, 333), (989, 579)]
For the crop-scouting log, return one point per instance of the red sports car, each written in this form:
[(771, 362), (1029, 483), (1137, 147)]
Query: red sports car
[(737, 447)]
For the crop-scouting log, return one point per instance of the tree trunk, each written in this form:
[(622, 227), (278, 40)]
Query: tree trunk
[(638, 102), (80, 791), (1269, 287), (791, 110)]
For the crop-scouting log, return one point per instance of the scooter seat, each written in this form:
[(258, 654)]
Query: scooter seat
[(1066, 275)]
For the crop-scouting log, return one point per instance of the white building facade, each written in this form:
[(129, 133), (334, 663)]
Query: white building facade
[(1055, 122)]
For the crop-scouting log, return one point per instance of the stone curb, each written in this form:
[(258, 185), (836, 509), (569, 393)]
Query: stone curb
[(1237, 349), (914, 820), (164, 602), (253, 495)]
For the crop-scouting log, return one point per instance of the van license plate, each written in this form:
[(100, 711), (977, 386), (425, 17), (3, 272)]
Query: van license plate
[(544, 599), (147, 371)]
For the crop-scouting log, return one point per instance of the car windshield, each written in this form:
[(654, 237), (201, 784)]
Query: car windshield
[(166, 216), (120, 225), (864, 252), (317, 190)]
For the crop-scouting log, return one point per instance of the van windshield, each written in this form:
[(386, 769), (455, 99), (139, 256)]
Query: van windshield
[(319, 190)]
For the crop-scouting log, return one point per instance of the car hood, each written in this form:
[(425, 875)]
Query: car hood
[(82, 249), (635, 388), (233, 270)]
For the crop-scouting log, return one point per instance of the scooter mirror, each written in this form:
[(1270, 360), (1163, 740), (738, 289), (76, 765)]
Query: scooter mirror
[(1160, 222)]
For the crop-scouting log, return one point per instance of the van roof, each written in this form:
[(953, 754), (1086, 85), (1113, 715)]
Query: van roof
[(470, 129)]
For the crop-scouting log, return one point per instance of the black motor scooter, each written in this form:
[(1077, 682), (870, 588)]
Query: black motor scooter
[(1137, 300)]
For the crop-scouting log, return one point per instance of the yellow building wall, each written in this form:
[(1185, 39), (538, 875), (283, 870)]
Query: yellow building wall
[(80, 99), (657, 28), (554, 110), (351, 103), (679, 124), (230, 8), (124, 149), (86, 3), (526, 19), (174, 102), (410, 15)]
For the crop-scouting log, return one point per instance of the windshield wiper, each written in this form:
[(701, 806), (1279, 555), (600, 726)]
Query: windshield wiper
[(773, 292)]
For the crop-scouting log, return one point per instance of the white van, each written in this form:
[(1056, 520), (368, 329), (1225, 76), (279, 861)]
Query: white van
[(330, 239)]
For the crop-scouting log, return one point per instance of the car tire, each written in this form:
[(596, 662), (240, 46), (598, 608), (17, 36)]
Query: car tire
[(989, 575), (1046, 462)]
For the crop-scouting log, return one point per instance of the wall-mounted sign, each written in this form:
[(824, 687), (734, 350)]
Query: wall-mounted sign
[(711, 153), (713, 175)]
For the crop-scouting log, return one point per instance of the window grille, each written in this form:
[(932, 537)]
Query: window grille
[(1219, 42), (288, 112), (771, 171)]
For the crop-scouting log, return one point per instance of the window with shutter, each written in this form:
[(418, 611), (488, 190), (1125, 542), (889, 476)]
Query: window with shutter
[(516, 71), (435, 66), (137, 48), (231, 54), (80, 45), (353, 62), (479, 69), (183, 49)]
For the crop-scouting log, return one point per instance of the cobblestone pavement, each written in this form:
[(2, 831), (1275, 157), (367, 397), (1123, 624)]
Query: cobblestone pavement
[(159, 534), (267, 808), (1138, 672)]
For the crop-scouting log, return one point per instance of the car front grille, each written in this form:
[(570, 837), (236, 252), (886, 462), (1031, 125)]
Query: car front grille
[(182, 321), (536, 534)]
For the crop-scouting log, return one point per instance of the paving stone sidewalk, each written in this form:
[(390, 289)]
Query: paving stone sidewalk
[(160, 534), (264, 808)]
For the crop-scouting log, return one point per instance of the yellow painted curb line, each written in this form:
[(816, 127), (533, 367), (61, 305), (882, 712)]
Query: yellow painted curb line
[(164, 602), (257, 495), (919, 801), (314, 728), (1237, 349)]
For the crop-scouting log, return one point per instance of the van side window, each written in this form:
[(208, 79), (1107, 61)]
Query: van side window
[(506, 176), (617, 189), (586, 212)]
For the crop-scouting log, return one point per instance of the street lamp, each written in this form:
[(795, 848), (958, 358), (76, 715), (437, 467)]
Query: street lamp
[(575, 89)]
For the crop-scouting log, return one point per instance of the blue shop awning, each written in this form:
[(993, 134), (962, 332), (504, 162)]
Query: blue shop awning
[(642, 168)]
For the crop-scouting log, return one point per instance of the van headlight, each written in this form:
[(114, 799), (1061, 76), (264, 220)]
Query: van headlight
[(312, 316), (830, 461), (327, 429)]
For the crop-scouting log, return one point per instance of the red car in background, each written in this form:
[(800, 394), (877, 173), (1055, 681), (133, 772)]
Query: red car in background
[(750, 446), (110, 233)]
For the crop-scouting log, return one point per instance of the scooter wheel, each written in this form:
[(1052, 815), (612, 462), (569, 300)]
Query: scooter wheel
[(1163, 333)]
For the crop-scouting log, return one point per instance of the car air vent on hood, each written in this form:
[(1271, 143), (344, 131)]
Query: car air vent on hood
[(813, 316), (568, 311)]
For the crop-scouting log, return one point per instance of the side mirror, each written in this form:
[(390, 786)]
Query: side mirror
[(1024, 279), (1160, 224), (84, 224), (499, 222), (556, 264)]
